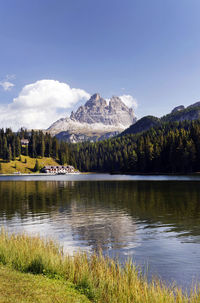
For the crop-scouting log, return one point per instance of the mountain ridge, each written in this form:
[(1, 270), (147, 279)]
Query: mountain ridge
[(178, 114)]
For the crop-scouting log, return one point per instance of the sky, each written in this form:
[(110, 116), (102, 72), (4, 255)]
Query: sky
[(54, 54)]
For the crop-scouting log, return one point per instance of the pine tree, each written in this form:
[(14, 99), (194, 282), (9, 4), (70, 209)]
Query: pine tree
[(9, 153), (32, 145), (55, 148), (13, 154), (17, 146), (48, 146), (42, 146), (36, 167), (5, 149), (26, 150)]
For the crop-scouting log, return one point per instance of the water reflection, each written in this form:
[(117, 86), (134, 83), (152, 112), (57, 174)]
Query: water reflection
[(172, 204), (153, 222)]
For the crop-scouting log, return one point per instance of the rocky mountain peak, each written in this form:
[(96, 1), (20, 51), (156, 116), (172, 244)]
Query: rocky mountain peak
[(95, 100), (96, 110), (98, 116), (116, 102), (96, 97)]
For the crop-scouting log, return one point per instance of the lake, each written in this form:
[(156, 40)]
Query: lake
[(155, 220)]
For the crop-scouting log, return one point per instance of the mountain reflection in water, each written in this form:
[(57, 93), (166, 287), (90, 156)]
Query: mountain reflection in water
[(155, 223)]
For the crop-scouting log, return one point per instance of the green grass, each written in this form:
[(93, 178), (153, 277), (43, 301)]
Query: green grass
[(20, 166), (101, 279), (28, 288)]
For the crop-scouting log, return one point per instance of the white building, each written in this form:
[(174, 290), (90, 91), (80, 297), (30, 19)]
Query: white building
[(60, 169)]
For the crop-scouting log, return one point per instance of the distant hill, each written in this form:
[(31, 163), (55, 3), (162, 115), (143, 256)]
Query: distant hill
[(178, 114), (189, 113), (142, 125)]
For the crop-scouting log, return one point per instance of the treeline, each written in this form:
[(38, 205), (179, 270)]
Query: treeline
[(40, 145), (10, 145), (170, 148)]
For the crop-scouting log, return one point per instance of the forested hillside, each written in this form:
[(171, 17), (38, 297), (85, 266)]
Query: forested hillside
[(170, 148)]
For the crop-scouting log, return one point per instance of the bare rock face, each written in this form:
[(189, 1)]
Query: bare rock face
[(178, 109), (92, 112), (95, 119), (80, 137), (96, 110)]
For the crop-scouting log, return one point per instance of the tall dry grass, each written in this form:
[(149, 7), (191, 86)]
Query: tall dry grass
[(101, 279)]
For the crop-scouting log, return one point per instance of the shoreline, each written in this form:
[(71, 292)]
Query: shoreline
[(101, 279), (38, 174), (100, 173)]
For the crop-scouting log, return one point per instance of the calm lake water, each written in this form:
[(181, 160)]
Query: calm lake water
[(155, 220)]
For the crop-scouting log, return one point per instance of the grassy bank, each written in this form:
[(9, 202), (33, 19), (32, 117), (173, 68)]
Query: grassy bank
[(18, 287), (24, 164), (100, 279)]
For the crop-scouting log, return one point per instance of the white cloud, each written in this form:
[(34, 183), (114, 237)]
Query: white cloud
[(6, 85), (129, 101), (40, 104)]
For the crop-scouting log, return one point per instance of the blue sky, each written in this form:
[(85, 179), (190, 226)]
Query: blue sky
[(147, 49)]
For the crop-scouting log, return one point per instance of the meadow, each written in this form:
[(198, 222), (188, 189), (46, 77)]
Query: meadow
[(24, 164)]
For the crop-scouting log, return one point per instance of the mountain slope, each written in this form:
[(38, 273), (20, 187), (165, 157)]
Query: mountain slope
[(142, 125), (178, 114)]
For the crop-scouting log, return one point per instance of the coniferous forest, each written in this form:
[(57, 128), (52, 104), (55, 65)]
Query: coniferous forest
[(173, 147), (170, 148)]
